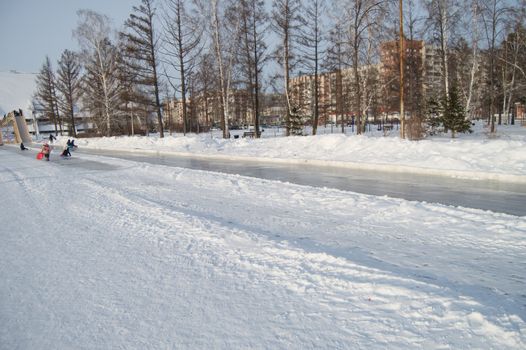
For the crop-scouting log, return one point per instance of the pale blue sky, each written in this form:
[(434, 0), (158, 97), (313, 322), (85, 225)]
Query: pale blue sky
[(32, 29)]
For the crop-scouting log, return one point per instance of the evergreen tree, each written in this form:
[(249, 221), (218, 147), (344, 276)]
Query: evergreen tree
[(295, 122), (434, 115), (454, 116)]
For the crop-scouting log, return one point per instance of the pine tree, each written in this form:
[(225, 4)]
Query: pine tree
[(295, 123), (434, 114), (454, 116)]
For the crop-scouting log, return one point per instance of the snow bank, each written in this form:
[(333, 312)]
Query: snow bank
[(473, 157)]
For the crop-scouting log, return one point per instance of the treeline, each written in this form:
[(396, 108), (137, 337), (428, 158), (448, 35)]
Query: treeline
[(199, 50)]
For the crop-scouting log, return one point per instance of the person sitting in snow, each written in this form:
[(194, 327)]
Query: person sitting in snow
[(22, 147), (65, 152), (71, 145), (46, 150)]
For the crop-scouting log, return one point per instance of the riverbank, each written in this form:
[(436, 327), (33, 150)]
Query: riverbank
[(473, 156)]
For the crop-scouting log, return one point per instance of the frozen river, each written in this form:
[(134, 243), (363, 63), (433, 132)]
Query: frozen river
[(496, 196)]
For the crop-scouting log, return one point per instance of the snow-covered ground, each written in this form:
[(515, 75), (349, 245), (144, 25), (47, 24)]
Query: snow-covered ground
[(472, 156), (100, 253)]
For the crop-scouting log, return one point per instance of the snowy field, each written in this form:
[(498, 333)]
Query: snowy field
[(101, 253), (471, 156)]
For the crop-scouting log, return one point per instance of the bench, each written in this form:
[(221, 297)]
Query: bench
[(249, 134)]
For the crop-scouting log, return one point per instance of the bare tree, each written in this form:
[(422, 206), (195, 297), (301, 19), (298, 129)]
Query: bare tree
[(474, 29), (102, 87), (69, 86), (361, 16), (443, 17), (511, 51), (338, 56), (206, 87), (225, 53), (310, 41), (494, 13), (46, 94), (182, 38), (100, 58), (285, 22), (414, 72), (142, 51), (135, 99), (466, 66), (253, 22)]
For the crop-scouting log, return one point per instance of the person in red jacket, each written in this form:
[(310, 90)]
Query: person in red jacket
[(46, 150)]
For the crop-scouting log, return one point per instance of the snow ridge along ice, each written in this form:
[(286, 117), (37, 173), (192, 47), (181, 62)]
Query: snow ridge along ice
[(471, 157)]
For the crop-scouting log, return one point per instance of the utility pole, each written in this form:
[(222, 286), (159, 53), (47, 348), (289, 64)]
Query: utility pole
[(402, 114)]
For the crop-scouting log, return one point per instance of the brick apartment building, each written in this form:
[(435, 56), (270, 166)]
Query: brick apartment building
[(334, 90), (379, 84)]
